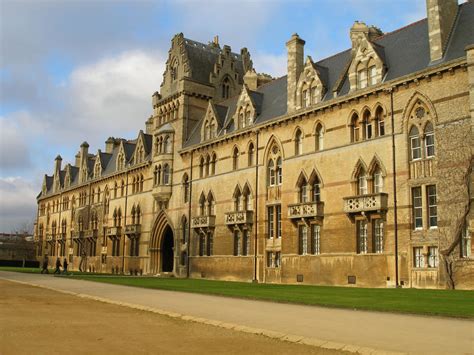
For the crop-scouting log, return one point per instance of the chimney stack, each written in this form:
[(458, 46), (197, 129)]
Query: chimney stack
[(109, 145), (57, 165), (295, 47), (441, 16)]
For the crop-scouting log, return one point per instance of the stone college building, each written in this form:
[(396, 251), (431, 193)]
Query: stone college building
[(353, 170)]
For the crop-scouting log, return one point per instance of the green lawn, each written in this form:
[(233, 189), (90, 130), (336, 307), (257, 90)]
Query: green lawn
[(430, 302), (403, 300)]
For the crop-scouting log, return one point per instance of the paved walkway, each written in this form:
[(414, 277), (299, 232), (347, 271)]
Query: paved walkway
[(357, 330)]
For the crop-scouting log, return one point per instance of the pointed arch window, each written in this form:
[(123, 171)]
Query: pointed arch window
[(367, 125), (235, 158), (361, 76), (167, 144), (251, 153), (429, 141), (213, 164), (279, 171), (185, 188), (372, 71), (379, 122), (271, 173), (415, 144), (298, 142), (319, 137), (207, 165), (225, 88), (210, 205), (362, 182), (201, 167), (166, 174), (356, 129), (316, 190), (377, 179), (303, 193), (184, 229)]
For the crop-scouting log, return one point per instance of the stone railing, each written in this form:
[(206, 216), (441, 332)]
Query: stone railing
[(132, 229), (49, 237), (111, 231), (365, 203), (203, 222), (306, 210), (421, 168), (239, 217)]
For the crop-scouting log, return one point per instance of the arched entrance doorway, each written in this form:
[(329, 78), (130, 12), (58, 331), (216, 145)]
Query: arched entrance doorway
[(161, 246), (167, 245)]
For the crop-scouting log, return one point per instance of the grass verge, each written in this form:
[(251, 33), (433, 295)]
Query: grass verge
[(450, 303)]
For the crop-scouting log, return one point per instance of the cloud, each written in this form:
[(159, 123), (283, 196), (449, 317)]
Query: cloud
[(273, 64), (18, 205), (14, 153)]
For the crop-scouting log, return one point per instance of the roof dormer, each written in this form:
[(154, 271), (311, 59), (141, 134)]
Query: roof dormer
[(248, 107), (310, 88), (367, 67), (210, 125)]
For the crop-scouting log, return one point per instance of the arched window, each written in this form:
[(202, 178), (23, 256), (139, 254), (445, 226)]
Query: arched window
[(115, 189), (379, 121), (362, 182), (185, 188), (92, 198), (235, 158), (251, 153), (155, 176), (138, 215), (247, 199), (208, 163), (202, 205), (377, 179), (372, 73), (415, 144), (241, 118), (361, 76), (213, 164), (206, 130), (316, 190), (201, 167), (167, 145), (210, 205), (355, 125), (212, 130), (319, 137), (303, 193), (279, 171), (305, 96), (133, 215), (184, 229), (367, 125), (225, 88), (248, 116), (141, 183), (298, 142), (237, 199), (166, 174), (271, 173), (429, 141), (122, 189)]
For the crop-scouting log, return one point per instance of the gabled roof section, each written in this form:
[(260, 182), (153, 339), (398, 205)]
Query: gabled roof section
[(104, 159), (202, 58)]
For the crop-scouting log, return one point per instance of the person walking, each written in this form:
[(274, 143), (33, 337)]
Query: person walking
[(58, 265), (44, 269), (65, 266)]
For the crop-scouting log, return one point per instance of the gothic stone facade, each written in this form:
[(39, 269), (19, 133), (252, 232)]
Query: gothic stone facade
[(354, 170)]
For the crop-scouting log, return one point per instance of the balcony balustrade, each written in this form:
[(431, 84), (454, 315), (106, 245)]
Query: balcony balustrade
[(239, 217), (203, 222), (365, 203), (306, 210)]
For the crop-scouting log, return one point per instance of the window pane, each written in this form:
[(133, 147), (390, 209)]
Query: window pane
[(315, 239), (417, 208), (432, 206)]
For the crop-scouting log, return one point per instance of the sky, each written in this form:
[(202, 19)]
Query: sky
[(85, 70)]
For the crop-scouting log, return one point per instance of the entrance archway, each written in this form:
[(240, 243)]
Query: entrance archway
[(167, 245), (161, 245)]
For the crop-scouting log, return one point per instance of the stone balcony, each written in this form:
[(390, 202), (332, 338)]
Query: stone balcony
[(133, 229), (366, 203), (239, 217), (306, 210), (111, 231), (49, 237), (162, 192), (61, 236), (203, 222)]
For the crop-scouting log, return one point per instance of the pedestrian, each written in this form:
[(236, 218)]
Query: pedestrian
[(45, 265), (58, 265), (65, 266)]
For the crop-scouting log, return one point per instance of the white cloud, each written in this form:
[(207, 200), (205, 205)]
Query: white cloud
[(273, 64), (13, 148), (18, 203)]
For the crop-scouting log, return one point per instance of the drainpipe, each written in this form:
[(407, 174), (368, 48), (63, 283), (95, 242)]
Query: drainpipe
[(60, 210), (188, 266), (125, 223), (255, 279), (395, 209)]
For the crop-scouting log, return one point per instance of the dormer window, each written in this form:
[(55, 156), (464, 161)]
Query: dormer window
[(225, 88), (372, 75), (361, 76)]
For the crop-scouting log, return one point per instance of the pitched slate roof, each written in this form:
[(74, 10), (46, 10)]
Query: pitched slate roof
[(202, 58), (404, 51)]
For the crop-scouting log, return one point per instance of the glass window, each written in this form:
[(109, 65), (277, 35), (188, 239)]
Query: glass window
[(417, 208), (236, 243), (303, 193), (315, 238), (319, 138), (432, 256), (279, 172), (298, 142), (378, 236), (316, 191), (271, 174), (362, 182), (466, 242), (362, 79), (277, 259), (362, 236), (372, 75), (303, 239), (432, 207), (415, 146), (418, 258), (378, 181), (278, 221), (429, 141), (269, 259), (270, 221), (245, 242)]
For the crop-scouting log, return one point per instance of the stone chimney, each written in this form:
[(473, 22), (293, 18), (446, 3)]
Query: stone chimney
[(84, 151), (57, 165), (109, 145), (441, 16), (251, 79), (77, 161), (295, 47)]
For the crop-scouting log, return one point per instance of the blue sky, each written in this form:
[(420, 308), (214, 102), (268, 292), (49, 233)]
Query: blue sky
[(71, 69)]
